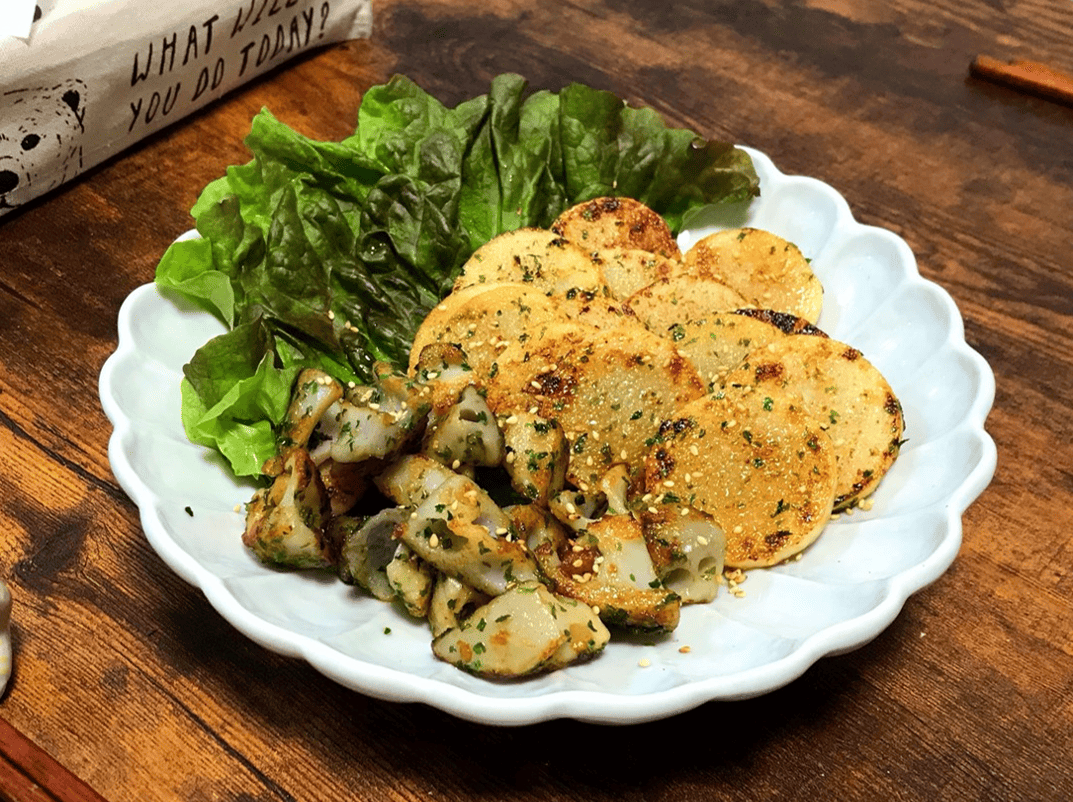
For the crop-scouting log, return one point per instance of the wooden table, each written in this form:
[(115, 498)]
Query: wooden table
[(128, 677)]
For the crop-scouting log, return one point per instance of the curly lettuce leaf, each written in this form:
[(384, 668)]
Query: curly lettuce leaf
[(235, 394), (330, 254)]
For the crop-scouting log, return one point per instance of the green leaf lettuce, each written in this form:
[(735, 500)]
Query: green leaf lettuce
[(330, 254)]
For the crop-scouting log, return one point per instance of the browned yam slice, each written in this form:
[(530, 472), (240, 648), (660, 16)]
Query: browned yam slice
[(483, 319), (607, 389), (768, 270), (627, 270), (719, 343), (533, 256), (789, 324), (617, 223), (848, 396), (676, 299), (595, 308), (764, 472)]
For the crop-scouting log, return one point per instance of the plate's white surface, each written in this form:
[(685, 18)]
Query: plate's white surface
[(845, 590)]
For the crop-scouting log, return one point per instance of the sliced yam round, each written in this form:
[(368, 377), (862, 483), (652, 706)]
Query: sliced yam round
[(617, 223), (595, 308), (627, 270), (608, 390), (483, 319), (533, 256), (765, 473), (676, 299), (768, 270), (719, 343), (849, 397)]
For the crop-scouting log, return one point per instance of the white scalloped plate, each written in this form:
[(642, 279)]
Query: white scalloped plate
[(845, 590)]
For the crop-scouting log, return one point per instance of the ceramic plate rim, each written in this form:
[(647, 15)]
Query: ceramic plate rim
[(465, 700)]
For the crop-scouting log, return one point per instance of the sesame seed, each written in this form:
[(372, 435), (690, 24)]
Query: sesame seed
[(434, 540), (685, 649), (644, 662)]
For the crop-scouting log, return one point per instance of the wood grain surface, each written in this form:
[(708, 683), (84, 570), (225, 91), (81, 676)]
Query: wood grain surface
[(129, 678)]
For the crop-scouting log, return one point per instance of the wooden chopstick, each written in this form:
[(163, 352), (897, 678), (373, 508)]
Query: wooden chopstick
[(29, 774), (1027, 76)]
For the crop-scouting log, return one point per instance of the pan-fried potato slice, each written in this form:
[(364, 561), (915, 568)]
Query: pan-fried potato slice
[(617, 223), (848, 396), (598, 309), (768, 270), (608, 390), (719, 343), (627, 270), (483, 319), (765, 472), (676, 299), (533, 256)]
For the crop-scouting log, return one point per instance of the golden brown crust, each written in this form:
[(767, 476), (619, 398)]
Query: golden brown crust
[(678, 298), (769, 271), (533, 256), (763, 470), (848, 397), (617, 223), (627, 270), (609, 390)]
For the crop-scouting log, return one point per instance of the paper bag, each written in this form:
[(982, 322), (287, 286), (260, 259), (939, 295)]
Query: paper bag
[(95, 76)]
